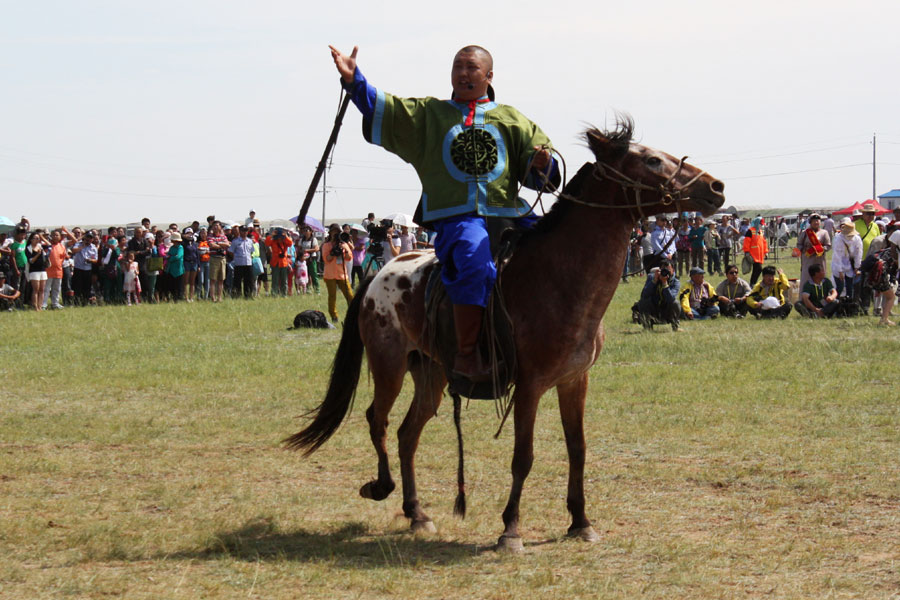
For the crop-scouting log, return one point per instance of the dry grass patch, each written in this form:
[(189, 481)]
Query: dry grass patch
[(738, 459)]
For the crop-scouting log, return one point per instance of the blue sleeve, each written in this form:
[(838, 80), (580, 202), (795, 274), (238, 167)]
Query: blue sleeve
[(535, 182), (649, 288), (672, 290), (656, 241), (361, 93)]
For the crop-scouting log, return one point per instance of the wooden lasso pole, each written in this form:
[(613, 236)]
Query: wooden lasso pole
[(338, 120)]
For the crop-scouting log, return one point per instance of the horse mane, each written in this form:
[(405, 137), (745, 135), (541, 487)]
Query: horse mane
[(601, 142)]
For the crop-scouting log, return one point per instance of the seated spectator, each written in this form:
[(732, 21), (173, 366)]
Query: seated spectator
[(818, 298), (8, 294), (732, 293), (766, 299), (659, 298), (698, 300)]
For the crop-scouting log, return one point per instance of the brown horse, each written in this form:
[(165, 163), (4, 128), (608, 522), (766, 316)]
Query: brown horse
[(386, 319)]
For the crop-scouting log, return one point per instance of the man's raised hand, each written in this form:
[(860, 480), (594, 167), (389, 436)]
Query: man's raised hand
[(346, 65)]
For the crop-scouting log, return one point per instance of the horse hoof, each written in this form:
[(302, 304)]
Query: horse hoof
[(586, 534), (423, 527), (373, 491), (512, 545)]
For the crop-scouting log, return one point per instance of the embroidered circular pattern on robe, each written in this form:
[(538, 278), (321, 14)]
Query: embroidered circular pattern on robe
[(474, 151)]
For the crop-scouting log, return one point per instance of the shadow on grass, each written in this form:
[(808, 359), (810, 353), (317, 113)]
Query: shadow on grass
[(350, 546)]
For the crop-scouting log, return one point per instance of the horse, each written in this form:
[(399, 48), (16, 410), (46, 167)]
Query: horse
[(557, 321)]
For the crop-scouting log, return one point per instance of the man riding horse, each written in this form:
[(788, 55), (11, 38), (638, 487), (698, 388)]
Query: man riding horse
[(471, 154)]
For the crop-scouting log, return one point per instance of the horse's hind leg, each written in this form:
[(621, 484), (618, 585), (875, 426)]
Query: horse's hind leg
[(429, 380), (571, 408), (387, 374)]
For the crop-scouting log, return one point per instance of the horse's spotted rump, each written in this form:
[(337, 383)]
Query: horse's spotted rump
[(393, 286)]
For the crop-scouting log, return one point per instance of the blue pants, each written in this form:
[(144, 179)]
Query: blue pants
[(710, 312), (463, 247)]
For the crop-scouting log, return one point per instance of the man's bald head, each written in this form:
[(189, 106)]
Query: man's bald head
[(481, 52)]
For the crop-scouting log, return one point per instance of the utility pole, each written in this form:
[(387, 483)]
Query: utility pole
[(873, 169)]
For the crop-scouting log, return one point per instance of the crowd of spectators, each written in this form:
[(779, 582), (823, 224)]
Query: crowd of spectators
[(864, 263), (42, 269)]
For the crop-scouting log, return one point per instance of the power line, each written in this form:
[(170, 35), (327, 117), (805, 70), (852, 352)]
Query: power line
[(802, 171), (145, 195), (743, 152), (720, 162)]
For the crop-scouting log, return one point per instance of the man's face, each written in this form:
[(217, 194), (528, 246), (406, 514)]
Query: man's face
[(470, 76), (55, 237), (697, 278), (868, 217), (768, 280), (819, 276), (732, 275), (814, 224)]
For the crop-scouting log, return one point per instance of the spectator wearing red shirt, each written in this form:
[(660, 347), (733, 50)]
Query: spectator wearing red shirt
[(278, 243)]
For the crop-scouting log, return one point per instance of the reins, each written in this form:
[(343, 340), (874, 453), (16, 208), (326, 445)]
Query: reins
[(667, 192)]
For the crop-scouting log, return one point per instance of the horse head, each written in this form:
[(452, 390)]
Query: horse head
[(651, 181)]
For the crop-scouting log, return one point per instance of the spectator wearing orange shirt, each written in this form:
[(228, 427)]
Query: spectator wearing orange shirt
[(337, 256), (278, 243), (58, 254)]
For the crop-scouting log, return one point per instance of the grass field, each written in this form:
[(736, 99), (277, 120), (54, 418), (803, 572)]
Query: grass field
[(141, 458)]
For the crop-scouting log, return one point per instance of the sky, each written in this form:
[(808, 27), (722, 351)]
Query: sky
[(115, 110)]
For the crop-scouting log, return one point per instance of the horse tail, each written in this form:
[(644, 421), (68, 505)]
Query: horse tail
[(459, 507), (327, 417)]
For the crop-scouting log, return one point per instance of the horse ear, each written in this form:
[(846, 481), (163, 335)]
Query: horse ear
[(606, 148)]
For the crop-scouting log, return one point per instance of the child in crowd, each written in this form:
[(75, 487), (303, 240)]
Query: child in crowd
[(131, 285), (301, 274)]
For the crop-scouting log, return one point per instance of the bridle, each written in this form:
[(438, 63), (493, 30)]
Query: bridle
[(666, 190)]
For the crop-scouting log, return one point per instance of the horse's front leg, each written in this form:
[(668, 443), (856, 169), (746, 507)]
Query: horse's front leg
[(429, 381), (524, 412), (571, 408)]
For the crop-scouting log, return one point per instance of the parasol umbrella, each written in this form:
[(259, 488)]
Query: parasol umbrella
[(283, 223), (6, 225), (359, 228), (314, 224), (402, 219)]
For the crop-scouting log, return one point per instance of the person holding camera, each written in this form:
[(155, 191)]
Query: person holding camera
[(659, 298), (278, 243), (337, 253), (698, 299)]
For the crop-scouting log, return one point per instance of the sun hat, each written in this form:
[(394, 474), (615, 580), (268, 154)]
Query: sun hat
[(868, 207), (856, 213), (848, 227), (815, 216), (175, 236)]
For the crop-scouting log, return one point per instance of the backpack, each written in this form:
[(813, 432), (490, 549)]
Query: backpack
[(311, 319)]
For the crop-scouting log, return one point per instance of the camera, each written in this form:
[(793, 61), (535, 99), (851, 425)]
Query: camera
[(378, 235), (664, 273), (342, 238)]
